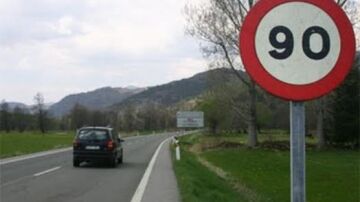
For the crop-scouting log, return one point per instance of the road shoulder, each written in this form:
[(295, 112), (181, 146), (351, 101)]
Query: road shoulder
[(162, 185)]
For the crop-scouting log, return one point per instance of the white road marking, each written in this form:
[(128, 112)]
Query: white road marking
[(46, 171), (144, 180), (35, 155)]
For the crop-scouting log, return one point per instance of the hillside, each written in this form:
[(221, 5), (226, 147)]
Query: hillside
[(167, 94), (176, 91), (95, 100), (13, 105)]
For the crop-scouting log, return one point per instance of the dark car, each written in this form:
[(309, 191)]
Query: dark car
[(97, 144)]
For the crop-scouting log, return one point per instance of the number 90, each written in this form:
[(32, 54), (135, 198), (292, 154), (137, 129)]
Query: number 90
[(288, 44)]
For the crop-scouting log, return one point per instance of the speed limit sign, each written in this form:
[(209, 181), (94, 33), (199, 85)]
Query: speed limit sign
[(297, 49)]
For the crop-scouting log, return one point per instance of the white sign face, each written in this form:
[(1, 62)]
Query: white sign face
[(301, 48), (190, 119)]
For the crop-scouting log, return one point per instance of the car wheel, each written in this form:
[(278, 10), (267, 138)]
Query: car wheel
[(113, 162), (76, 162), (120, 160)]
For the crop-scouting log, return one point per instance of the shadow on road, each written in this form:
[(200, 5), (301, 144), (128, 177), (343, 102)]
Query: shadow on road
[(105, 165)]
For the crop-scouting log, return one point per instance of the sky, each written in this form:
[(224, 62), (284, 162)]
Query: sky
[(61, 47)]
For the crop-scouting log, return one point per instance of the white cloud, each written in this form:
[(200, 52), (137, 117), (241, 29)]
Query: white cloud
[(59, 47), (65, 26)]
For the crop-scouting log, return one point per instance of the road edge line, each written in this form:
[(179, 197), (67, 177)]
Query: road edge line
[(140, 190)]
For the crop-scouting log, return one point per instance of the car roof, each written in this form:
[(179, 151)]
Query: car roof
[(96, 127)]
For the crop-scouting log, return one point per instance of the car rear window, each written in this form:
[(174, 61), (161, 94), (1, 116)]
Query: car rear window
[(92, 134)]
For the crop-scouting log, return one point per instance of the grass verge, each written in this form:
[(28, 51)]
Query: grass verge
[(332, 175), (196, 183), (14, 144)]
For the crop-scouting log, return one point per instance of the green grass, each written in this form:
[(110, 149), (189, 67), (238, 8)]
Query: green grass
[(265, 173), (337, 171), (331, 175), (199, 184), (13, 144)]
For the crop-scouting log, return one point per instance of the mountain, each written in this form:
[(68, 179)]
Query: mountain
[(167, 94), (13, 105), (176, 91), (96, 100)]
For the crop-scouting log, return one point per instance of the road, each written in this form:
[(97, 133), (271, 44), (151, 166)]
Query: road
[(52, 178)]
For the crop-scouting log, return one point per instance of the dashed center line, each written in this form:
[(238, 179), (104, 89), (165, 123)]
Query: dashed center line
[(46, 171)]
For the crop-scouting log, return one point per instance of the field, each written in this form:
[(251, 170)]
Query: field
[(263, 174), (13, 144)]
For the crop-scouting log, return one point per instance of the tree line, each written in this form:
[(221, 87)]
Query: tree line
[(22, 119), (332, 119), (148, 117)]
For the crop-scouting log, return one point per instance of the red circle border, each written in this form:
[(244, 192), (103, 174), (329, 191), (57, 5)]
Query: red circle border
[(288, 91)]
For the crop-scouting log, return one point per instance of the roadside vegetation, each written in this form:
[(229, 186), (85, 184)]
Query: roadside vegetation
[(15, 143), (199, 184), (262, 173)]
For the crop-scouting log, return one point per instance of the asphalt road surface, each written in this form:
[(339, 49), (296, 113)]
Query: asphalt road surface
[(53, 178)]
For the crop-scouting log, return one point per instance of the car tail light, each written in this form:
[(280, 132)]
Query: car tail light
[(110, 145), (75, 143)]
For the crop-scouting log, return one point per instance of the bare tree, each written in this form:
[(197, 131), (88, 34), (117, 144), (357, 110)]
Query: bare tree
[(351, 8), (79, 116), (4, 116), (40, 112), (19, 119), (218, 23), (320, 107)]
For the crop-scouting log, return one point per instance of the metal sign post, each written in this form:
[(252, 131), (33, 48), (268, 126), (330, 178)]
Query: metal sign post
[(297, 141)]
